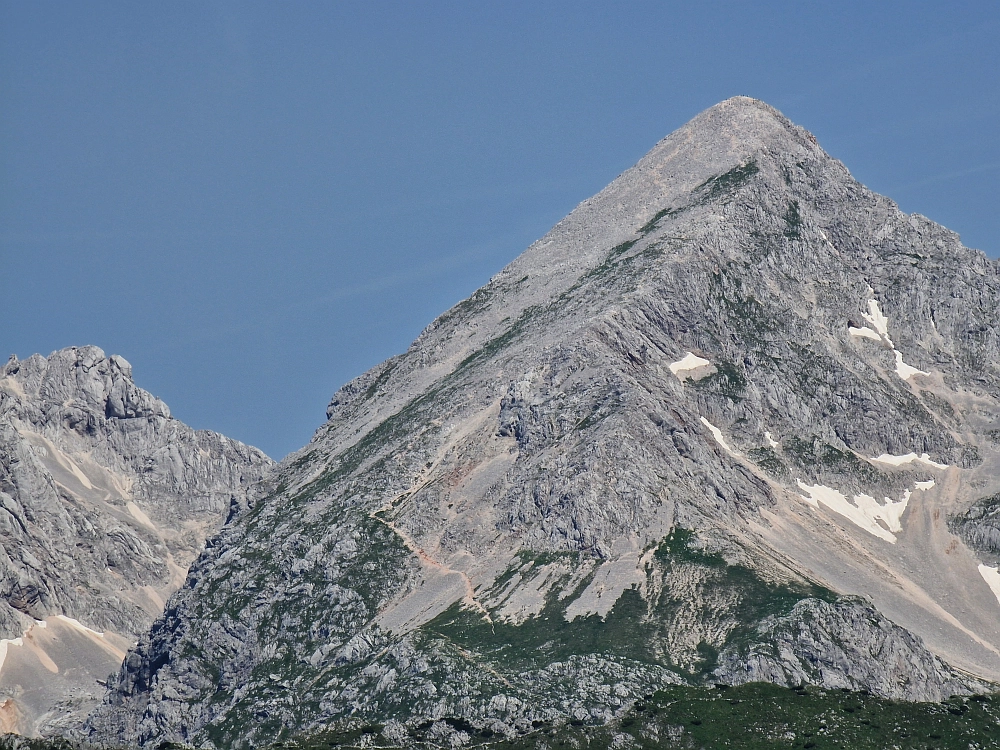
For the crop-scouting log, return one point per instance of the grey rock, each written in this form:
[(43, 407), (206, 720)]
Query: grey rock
[(105, 501), (535, 510), (846, 644), (979, 526)]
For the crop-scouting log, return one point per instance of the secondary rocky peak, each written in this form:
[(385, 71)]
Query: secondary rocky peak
[(76, 380), (105, 500)]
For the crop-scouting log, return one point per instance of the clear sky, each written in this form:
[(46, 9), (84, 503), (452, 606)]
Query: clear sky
[(255, 202)]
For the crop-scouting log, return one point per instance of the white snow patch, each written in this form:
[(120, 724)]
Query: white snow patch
[(904, 370), (881, 333), (886, 458), (864, 332), (717, 434), (683, 367), (770, 440), (78, 625), (879, 322), (992, 578), (865, 511), (925, 485), (890, 513)]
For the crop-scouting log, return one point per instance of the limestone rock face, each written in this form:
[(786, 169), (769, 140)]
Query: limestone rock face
[(979, 526), (105, 501), (847, 644), (671, 442)]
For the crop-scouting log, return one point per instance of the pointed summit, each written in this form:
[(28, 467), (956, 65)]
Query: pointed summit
[(723, 136), (736, 128), (748, 124), (727, 136), (662, 446)]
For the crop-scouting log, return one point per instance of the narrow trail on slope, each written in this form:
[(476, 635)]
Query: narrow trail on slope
[(430, 562), (425, 478)]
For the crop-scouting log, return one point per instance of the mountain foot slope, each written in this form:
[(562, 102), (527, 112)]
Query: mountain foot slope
[(727, 421)]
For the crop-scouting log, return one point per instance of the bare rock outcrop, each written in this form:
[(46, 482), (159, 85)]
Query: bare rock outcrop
[(105, 501), (845, 644), (679, 434)]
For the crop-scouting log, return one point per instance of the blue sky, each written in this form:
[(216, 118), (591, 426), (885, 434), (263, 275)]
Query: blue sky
[(255, 202)]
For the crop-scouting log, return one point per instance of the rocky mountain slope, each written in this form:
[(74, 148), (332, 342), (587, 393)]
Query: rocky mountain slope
[(713, 427), (105, 501)]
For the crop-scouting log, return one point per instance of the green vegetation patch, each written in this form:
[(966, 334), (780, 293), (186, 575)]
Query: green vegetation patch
[(372, 450), (372, 576), (19, 742), (636, 628), (793, 221), (814, 454), (727, 380), (756, 716), (615, 262), (767, 459), (763, 244), (728, 182), (379, 382), (650, 225), (500, 342), (476, 302), (744, 313), (548, 636), (619, 263)]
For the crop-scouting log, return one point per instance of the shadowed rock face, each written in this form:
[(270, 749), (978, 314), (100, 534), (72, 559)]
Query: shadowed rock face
[(105, 501), (979, 526), (663, 445)]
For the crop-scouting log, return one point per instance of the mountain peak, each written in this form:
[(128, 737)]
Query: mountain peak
[(104, 502), (86, 376), (724, 137), (745, 107), (728, 133), (661, 446)]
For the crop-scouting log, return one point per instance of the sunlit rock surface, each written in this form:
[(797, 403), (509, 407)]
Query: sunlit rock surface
[(105, 501), (642, 454)]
